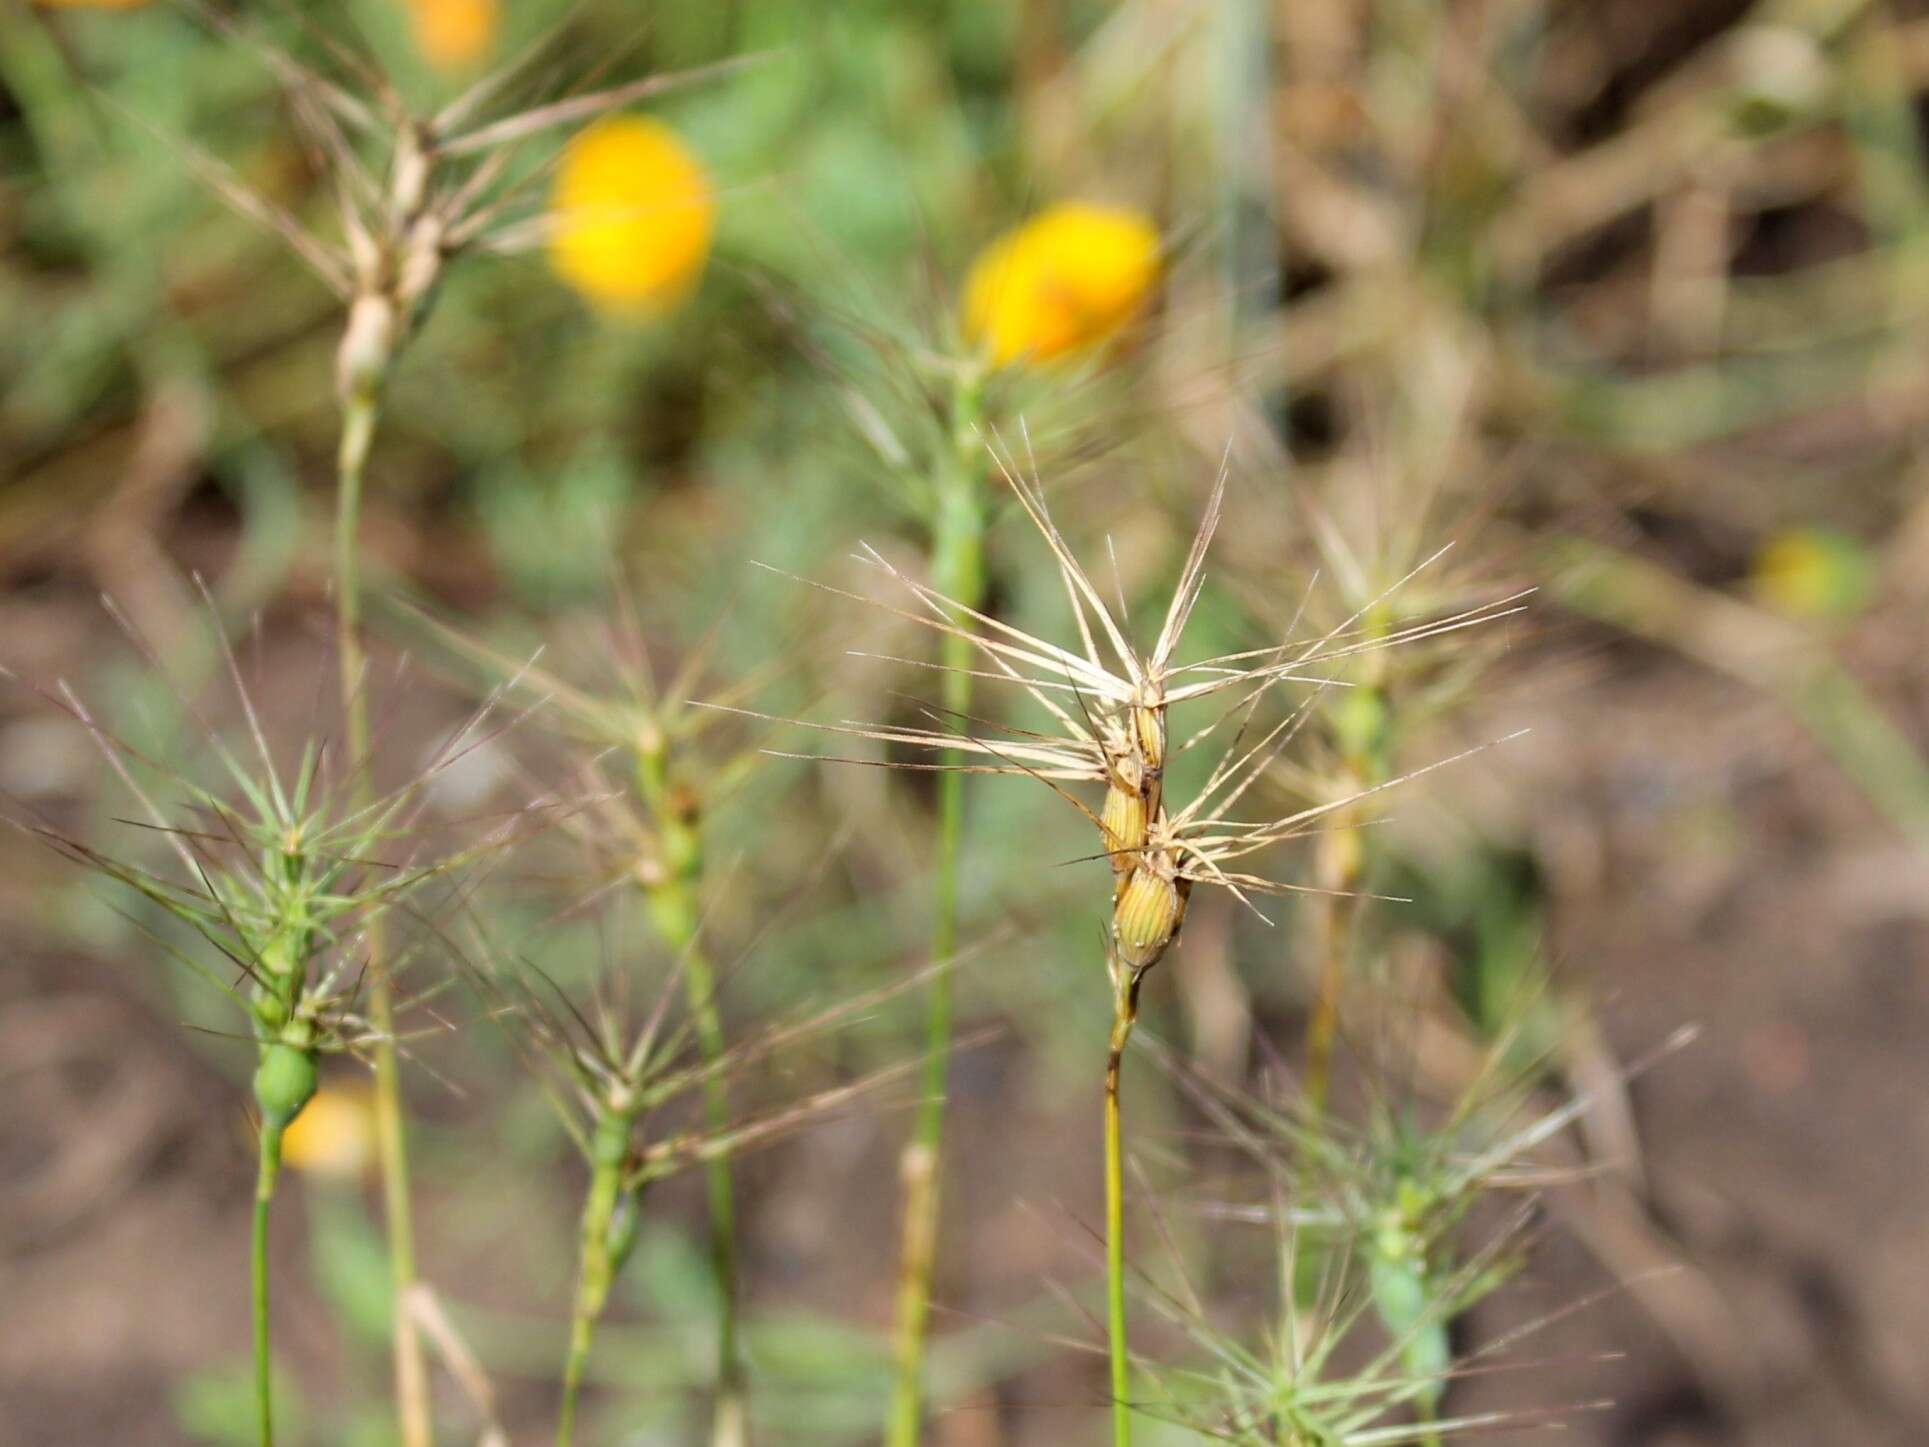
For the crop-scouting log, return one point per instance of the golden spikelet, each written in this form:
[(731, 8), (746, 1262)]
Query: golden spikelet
[(1123, 824), (1146, 918), (1107, 705)]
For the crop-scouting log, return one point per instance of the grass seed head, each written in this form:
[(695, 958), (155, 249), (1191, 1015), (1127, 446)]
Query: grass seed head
[(285, 1081), (1109, 703)]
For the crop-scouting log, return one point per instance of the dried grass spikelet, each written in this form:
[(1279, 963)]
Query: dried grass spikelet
[(1124, 821), (1150, 907), (1109, 704), (415, 190)]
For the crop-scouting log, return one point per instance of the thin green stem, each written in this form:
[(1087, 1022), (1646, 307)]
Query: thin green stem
[(1125, 1013), (727, 1425), (581, 1328), (270, 1163), (360, 410), (673, 903), (958, 571), (595, 1265), (359, 414)]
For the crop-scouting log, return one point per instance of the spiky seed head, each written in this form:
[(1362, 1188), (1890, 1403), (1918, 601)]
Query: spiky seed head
[(1146, 918)]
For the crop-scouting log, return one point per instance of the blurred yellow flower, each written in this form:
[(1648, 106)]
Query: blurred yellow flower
[(334, 1135), (1813, 573), (92, 4), (1067, 279), (633, 213), (454, 34)]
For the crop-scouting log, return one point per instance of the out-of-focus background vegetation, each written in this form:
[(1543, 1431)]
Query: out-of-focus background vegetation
[(1628, 301)]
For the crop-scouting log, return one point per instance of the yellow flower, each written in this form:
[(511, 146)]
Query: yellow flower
[(633, 213), (454, 34), (1067, 279), (92, 4), (334, 1135), (1813, 573)]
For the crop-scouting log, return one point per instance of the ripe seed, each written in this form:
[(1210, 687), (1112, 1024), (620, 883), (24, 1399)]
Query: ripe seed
[(1146, 917), (1124, 823)]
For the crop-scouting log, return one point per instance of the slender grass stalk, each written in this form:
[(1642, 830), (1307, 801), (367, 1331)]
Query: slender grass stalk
[(672, 897), (258, 1266), (595, 1263), (958, 571), (284, 1082), (1335, 913), (581, 1328), (360, 411), (1125, 1013), (1360, 727)]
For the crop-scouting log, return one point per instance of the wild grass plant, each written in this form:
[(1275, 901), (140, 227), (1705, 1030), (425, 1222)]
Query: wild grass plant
[(1106, 709), (1313, 652), (282, 879), (614, 1065), (438, 194)]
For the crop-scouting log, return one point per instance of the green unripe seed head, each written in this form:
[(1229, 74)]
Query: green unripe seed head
[(284, 1083)]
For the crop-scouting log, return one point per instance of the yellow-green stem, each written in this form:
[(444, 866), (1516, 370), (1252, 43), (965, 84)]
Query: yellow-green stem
[(595, 1268), (1125, 1012), (958, 571), (270, 1162), (673, 903), (1335, 914), (1361, 725), (360, 409)]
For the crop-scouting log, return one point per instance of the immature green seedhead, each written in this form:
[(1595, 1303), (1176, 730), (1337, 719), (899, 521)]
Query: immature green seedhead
[(278, 877)]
